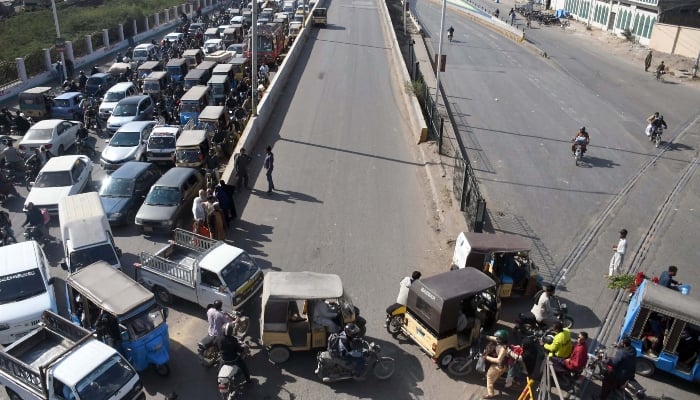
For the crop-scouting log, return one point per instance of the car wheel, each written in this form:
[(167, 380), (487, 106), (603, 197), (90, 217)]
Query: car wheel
[(163, 296)]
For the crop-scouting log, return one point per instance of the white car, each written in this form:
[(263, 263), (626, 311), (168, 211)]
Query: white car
[(57, 135), (60, 177), (174, 36), (213, 45), (127, 144)]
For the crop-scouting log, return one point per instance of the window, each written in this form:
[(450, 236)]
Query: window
[(77, 170), (62, 391), (210, 279)]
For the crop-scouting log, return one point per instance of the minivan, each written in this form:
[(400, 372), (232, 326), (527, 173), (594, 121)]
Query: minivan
[(123, 192), (134, 108), (25, 289), (170, 199), (113, 95), (103, 79), (144, 52), (85, 232)]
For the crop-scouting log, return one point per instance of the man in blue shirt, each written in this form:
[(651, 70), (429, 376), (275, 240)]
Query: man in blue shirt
[(666, 278)]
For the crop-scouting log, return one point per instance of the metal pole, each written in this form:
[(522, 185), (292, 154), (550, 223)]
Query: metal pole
[(254, 61), (590, 12), (439, 60), (405, 4), (695, 67), (58, 35)]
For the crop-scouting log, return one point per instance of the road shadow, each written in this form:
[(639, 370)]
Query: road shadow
[(598, 162), (250, 237), (331, 27), (287, 196), (678, 147)]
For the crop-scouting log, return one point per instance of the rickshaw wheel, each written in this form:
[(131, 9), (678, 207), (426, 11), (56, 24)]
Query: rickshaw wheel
[(394, 325), (460, 366), (278, 354), (446, 358), (568, 322), (163, 369), (644, 367)]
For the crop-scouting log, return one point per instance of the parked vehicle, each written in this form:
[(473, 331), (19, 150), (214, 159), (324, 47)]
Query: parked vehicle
[(127, 144), (36, 102), (26, 289), (129, 109), (67, 106), (677, 317), (56, 135), (292, 304), (124, 315), (434, 306), (114, 95), (122, 192), (319, 16), (168, 200), (60, 360), (200, 270), (161, 144), (85, 233), (60, 177), (504, 257)]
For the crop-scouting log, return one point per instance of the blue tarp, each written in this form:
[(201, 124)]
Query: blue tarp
[(561, 13)]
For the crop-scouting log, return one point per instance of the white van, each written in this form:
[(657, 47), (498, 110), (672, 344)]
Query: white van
[(113, 95), (85, 231), (144, 52), (25, 289)]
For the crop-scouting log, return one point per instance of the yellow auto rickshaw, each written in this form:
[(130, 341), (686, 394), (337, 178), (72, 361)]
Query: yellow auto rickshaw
[(36, 102)]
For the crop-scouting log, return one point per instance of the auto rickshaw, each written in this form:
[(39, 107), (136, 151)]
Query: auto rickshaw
[(505, 257), (193, 57), (191, 148), (124, 314), (295, 312), (219, 86), (664, 326), (215, 120), (436, 307), (177, 67), (36, 102), (239, 66), (156, 83), (146, 68)]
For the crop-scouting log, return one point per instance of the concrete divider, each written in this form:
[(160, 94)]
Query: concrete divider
[(501, 27)]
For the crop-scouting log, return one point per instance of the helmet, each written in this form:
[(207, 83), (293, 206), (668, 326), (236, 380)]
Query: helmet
[(218, 304), (583, 129), (230, 329), (501, 336), (352, 330)]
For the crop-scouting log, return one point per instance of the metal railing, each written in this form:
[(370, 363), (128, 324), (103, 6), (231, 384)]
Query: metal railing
[(162, 266)]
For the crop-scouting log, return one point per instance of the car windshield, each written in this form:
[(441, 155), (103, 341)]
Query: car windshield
[(106, 380), (163, 196), (94, 81), (53, 179), (161, 142), (20, 286), (117, 187), (188, 156), (125, 139), (141, 53), (190, 106), (124, 110), (145, 322), (39, 134), (84, 257), (113, 97), (239, 271), (61, 103)]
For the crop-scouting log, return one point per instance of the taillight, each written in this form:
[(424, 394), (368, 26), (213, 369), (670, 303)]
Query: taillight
[(223, 388), (21, 147)]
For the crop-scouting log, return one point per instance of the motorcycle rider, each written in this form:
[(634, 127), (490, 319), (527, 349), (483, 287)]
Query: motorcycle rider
[(350, 347), (216, 318), (578, 358), (82, 80), (660, 70), (404, 285), (581, 138), (621, 368), (450, 32), (231, 350), (36, 219), (21, 123), (656, 124), (13, 158), (496, 355), (542, 309), (6, 223), (561, 344)]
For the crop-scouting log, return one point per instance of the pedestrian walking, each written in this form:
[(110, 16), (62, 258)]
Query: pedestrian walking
[(59, 71), (216, 223), (647, 62), (241, 166), (229, 190), (225, 202), (511, 14), (269, 166), (198, 211), (619, 254)]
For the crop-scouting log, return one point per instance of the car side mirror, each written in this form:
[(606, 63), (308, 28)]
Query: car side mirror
[(51, 281), (106, 141)]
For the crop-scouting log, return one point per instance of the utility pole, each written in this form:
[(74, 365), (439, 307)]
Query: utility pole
[(58, 36), (439, 58), (254, 61)]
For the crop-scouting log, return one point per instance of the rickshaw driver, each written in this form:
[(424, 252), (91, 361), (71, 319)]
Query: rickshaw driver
[(325, 316), (469, 321)]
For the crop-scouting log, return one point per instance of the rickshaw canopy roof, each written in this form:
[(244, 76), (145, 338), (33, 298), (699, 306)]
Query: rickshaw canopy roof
[(191, 52), (150, 65), (157, 75), (218, 79), (206, 65), (500, 242), (109, 288), (670, 303), (301, 286), (38, 89), (196, 74), (176, 62), (436, 300), (238, 61), (191, 138), (212, 113)]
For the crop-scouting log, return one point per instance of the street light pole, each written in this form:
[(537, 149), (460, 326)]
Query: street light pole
[(254, 61), (58, 35), (439, 58)]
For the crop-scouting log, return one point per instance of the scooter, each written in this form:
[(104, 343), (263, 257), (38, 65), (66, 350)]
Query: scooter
[(208, 351)]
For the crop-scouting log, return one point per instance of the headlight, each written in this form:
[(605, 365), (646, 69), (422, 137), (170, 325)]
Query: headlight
[(168, 222), (139, 221)]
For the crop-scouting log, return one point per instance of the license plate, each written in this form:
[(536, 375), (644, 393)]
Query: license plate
[(147, 229), (420, 332)]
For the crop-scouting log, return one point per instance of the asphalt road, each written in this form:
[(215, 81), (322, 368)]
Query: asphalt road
[(517, 113)]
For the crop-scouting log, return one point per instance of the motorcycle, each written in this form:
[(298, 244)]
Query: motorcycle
[(394, 318), (578, 152), (597, 368), (231, 377), (528, 326), (5, 238), (35, 234), (208, 351), (333, 368), (31, 171), (83, 146), (656, 135), (6, 189)]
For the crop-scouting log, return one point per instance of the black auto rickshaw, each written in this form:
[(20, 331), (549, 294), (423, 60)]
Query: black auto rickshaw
[(445, 314)]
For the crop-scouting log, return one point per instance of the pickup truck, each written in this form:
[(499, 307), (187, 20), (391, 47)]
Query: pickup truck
[(60, 360), (201, 270)]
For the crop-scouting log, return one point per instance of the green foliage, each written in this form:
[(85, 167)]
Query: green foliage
[(30, 31), (624, 281)]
